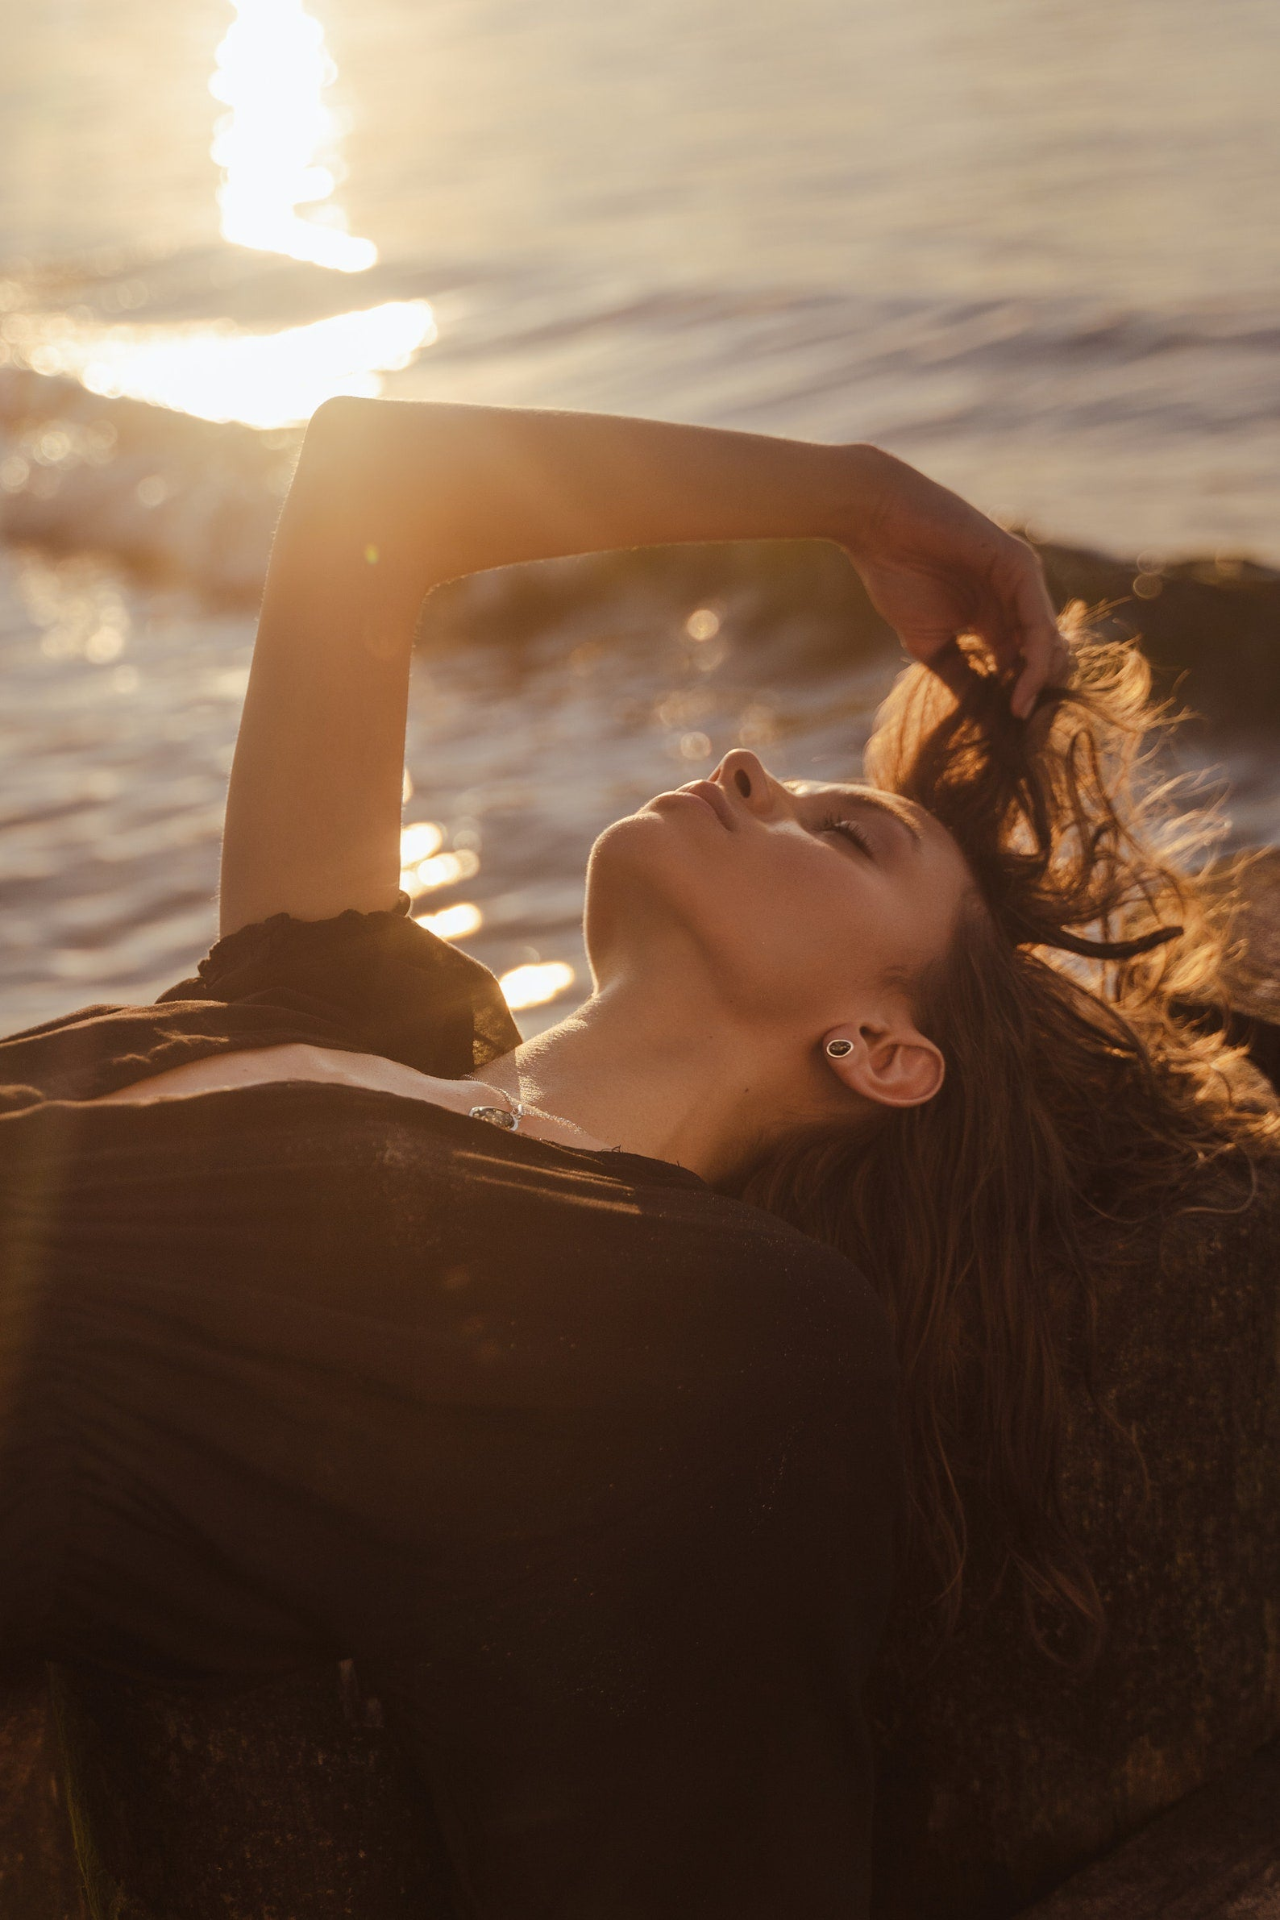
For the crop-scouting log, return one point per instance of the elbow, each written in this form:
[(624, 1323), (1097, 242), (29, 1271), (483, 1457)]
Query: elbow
[(343, 425), (340, 447), (343, 413), (377, 466)]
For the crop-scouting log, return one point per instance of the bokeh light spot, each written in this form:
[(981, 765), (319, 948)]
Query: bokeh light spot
[(442, 870), (703, 624), (533, 985), (452, 923), (419, 841)]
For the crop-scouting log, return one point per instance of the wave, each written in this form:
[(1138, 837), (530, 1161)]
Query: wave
[(170, 495)]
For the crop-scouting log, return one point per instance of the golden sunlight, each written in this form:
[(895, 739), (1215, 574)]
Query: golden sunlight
[(273, 68), (419, 840), (272, 146), (452, 923), (533, 985), (218, 372), (441, 870)]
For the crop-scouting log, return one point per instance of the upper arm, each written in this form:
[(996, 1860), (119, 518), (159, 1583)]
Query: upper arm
[(313, 808)]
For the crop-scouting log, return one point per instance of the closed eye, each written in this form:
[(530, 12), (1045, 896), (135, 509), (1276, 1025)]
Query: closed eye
[(837, 823)]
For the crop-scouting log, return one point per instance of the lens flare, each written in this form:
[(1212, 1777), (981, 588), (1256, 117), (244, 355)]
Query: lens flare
[(273, 68)]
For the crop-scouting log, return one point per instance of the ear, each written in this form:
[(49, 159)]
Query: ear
[(892, 1064)]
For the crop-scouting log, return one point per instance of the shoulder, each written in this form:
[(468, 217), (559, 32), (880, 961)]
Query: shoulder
[(806, 1293), (387, 984)]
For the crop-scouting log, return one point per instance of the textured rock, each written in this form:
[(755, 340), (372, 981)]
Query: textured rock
[(39, 1879), (1254, 970), (1216, 1856), (285, 1803), (1001, 1773)]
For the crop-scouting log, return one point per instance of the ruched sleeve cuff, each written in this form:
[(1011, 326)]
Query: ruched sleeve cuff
[(392, 987)]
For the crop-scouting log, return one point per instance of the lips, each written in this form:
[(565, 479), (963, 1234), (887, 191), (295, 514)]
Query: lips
[(714, 796)]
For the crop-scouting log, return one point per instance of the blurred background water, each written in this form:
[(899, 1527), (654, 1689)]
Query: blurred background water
[(1029, 245)]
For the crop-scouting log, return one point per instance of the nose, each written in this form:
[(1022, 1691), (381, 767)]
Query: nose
[(742, 774)]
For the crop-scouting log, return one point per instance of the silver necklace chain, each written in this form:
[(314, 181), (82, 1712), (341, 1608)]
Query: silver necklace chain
[(510, 1116)]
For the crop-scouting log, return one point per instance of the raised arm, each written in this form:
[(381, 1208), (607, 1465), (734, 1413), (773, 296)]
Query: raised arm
[(391, 498)]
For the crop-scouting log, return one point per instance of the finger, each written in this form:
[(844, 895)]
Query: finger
[(1002, 626), (1049, 665), (949, 664), (1044, 653), (1003, 640)]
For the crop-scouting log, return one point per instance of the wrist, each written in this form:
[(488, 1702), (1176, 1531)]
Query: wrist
[(862, 478)]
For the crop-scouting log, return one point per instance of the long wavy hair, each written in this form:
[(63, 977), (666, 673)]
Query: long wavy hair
[(1084, 1090)]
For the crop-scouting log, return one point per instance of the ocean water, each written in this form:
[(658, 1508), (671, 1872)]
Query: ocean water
[(1029, 245)]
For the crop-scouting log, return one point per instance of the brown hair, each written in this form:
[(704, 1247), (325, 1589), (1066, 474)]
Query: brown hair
[(1080, 1093)]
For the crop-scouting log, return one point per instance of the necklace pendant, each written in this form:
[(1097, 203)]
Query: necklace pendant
[(497, 1117)]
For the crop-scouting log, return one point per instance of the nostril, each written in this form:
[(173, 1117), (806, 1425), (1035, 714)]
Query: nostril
[(743, 783)]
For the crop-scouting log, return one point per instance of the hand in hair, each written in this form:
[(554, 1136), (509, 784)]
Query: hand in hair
[(935, 568)]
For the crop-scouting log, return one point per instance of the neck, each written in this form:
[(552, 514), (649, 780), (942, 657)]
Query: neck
[(631, 1074)]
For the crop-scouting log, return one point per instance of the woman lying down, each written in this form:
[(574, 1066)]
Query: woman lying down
[(591, 1391)]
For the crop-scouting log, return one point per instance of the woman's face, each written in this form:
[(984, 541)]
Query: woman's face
[(796, 906)]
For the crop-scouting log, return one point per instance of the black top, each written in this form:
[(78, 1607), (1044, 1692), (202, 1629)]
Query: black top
[(591, 1468)]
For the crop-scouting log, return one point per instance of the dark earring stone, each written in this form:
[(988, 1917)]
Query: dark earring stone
[(838, 1048)]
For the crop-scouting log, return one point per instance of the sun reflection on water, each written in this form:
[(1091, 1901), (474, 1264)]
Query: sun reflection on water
[(419, 840), (273, 68), (441, 870), (277, 151), (217, 372), (453, 923), (536, 983)]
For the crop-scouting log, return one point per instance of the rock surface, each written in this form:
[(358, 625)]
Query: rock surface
[(999, 1773), (39, 1877), (1215, 1856)]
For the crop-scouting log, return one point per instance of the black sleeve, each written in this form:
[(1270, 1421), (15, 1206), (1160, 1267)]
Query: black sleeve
[(396, 989)]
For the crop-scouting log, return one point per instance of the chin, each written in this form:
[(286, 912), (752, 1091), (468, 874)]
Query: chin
[(643, 876)]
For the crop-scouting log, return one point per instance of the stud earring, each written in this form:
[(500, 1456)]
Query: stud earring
[(838, 1048)]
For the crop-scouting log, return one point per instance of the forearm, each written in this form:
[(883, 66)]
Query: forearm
[(437, 491)]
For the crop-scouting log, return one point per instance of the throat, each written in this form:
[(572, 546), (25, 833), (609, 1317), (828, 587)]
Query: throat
[(619, 1080)]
